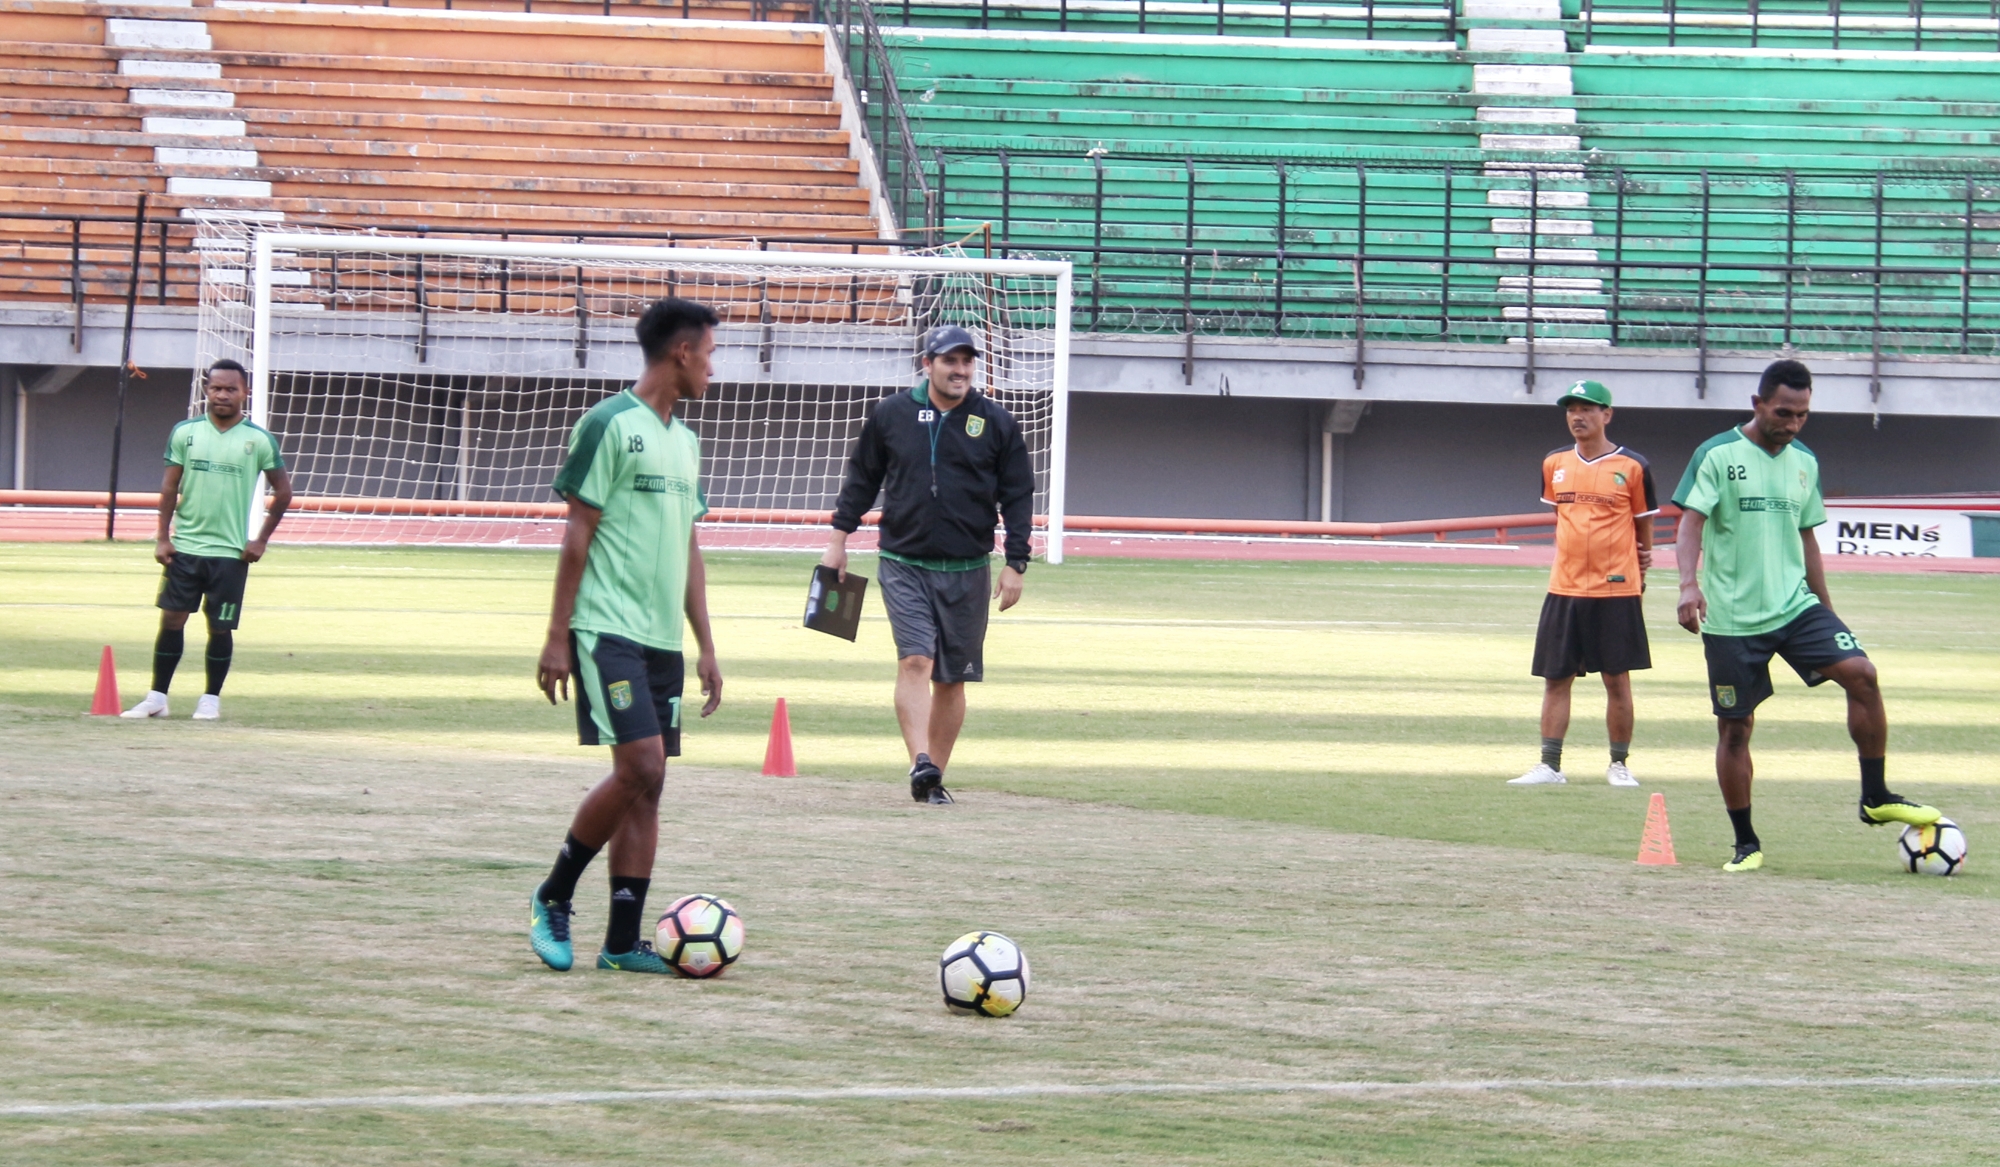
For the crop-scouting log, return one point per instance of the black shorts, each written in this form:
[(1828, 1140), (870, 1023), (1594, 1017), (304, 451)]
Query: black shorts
[(1739, 667), (626, 692), (189, 580), (1591, 634), (939, 614)]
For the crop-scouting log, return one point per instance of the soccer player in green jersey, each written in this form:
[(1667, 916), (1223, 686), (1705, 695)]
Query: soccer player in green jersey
[(629, 570), (203, 542), (1753, 585)]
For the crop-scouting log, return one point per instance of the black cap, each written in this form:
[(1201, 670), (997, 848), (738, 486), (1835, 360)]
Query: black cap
[(946, 337)]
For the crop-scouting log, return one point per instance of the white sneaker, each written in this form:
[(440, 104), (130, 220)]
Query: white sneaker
[(1618, 775), (155, 705), (209, 708), (1542, 775)]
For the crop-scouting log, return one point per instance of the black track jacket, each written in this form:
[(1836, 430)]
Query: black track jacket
[(941, 505)]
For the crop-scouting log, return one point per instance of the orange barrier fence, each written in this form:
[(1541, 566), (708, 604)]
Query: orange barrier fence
[(1535, 527)]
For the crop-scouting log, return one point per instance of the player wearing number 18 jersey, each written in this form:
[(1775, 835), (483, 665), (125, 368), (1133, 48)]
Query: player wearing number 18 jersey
[(630, 570), (1753, 586)]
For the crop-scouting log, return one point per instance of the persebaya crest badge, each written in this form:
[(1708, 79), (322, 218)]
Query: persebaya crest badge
[(1618, 477), (1725, 696), (250, 447), (974, 426), (621, 695)]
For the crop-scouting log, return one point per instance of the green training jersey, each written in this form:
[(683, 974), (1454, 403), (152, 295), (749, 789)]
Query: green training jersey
[(1753, 559), (219, 471), (644, 473)]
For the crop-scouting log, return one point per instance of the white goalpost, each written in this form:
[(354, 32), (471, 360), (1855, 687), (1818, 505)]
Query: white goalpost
[(423, 390)]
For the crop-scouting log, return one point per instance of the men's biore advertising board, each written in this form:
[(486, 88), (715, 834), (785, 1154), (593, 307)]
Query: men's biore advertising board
[(1924, 534)]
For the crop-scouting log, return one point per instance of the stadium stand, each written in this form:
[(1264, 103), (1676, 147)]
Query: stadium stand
[(405, 119), (1218, 185), (1317, 186)]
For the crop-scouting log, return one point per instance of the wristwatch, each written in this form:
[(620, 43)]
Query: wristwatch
[(1019, 565)]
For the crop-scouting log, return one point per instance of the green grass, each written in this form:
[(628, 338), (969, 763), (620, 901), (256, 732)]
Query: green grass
[(1248, 819)]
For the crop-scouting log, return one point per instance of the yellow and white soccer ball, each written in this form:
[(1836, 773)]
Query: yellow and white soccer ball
[(983, 973), (1938, 849)]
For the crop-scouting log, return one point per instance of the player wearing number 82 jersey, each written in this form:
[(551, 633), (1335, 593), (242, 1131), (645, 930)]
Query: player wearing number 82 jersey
[(1753, 586)]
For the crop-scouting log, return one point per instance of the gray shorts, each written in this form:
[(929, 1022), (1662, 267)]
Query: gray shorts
[(939, 614)]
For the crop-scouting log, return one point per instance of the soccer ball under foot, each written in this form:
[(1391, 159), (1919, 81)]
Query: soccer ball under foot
[(1938, 849), (700, 935), (983, 973)]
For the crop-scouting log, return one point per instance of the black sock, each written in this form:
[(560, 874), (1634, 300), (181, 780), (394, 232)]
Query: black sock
[(628, 903), (560, 886), (1620, 751), (221, 648), (1874, 782), (1740, 819), (167, 648), (1552, 753)]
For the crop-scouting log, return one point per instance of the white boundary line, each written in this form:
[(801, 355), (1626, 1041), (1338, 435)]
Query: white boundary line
[(978, 1093)]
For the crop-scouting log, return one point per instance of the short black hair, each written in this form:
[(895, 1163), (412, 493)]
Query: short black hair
[(228, 366), (1787, 373), (666, 321)]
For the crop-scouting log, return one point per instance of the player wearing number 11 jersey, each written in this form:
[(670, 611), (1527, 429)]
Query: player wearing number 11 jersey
[(213, 463), (1753, 586), (628, 573)]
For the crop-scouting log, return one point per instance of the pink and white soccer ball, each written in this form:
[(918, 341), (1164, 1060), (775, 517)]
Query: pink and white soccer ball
[(700, 935)]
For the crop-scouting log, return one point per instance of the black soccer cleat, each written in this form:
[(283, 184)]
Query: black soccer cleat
[(924, 778), (939, 796)]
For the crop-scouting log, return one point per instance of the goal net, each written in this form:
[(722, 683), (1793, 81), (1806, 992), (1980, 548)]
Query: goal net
[(423, 390)]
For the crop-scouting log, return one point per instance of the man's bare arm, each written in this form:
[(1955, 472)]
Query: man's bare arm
[(1816, 569), (705, 667), (170, 497), (555, 666), (1693, 608), (281, 501)]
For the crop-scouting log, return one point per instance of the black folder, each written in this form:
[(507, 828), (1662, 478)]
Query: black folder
[(833, 605)]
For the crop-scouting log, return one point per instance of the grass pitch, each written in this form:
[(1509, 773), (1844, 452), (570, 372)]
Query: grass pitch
[(1247, 819)]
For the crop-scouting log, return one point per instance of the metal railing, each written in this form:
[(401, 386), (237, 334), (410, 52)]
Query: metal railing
[(1363, 19), (1961, 25), (1957, 25), (1376, 282), (1886, 264), (871, 69)]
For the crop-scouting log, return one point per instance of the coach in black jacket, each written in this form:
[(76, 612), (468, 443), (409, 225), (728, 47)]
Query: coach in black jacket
[(947, 459)]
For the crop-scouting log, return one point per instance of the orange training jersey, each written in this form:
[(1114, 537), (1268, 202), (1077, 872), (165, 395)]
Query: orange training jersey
[(1597, 547)]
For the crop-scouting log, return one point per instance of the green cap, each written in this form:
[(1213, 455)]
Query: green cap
[(1593, 392)]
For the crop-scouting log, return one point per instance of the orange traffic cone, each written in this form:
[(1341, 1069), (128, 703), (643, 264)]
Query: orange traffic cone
[(105, 702), (1656, 846), (778, 755)]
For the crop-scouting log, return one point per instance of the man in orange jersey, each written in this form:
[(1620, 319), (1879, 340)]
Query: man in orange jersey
[(1592, 620)]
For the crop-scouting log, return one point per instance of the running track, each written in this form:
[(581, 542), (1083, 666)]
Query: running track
[(66, 525)]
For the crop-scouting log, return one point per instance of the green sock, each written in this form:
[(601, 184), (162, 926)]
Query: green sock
[(1620, 751), (1552, 753)]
